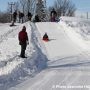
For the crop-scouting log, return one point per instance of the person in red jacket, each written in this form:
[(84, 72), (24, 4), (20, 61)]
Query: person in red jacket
[(23, 39)]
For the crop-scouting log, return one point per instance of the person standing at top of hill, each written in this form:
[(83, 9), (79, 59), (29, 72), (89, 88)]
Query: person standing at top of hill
[(29, 16), (21, 17), (23, 41), (37, 19), (14, 16), (53, 15)]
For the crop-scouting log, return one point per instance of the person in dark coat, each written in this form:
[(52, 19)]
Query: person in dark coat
[(29, 16), (21, 17), (37, 19), (14, 16), (23, 39), (45, 37), (53, 15)]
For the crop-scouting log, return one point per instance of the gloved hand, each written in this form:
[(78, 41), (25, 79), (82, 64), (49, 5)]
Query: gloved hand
[(27, 42), (19, 43)]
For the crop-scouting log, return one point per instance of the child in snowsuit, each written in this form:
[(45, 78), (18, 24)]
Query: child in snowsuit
[(45, 37)]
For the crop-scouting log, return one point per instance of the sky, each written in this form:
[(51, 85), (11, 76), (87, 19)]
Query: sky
[(4, 4), (82, 5)]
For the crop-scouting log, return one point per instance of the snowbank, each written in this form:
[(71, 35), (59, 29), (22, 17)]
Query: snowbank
[(78, 30), (14, 69)]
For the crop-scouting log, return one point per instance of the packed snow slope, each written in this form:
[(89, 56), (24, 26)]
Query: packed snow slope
[(67, 55), (59, 45)]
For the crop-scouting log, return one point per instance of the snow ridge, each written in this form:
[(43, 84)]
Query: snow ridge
[(41, 58)]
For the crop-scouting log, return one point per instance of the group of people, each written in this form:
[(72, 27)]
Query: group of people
[(23, 41), (53, 16), (23, 37), (20, 16)]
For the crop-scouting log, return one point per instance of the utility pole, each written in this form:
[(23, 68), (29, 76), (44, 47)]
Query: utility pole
[(11, 4)]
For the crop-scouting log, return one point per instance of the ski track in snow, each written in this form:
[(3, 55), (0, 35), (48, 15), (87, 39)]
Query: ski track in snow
[(12, 65)]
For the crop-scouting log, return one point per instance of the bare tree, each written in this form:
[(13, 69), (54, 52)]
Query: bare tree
[(31, 5), (64, 7), (16, 6), (58, 6), (4, 17), (71, 10), (22, 5), (27, 6)]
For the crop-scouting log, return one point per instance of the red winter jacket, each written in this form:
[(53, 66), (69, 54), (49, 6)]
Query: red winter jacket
[(23, 36)]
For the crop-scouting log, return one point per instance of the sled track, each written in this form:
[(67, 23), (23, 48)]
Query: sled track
[(5, 36)]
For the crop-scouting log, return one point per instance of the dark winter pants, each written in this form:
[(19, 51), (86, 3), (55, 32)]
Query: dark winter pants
[(21, 20), (14, 19), (53, 19), (23, 48)]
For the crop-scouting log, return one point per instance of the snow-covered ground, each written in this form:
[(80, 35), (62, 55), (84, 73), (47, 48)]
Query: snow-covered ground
[(59, 64), (80, 25), (14, 69)]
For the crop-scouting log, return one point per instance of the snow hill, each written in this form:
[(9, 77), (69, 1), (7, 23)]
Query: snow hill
[(63, 61)]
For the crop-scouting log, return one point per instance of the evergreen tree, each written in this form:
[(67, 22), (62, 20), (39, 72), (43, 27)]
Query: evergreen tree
[(41, 11)]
